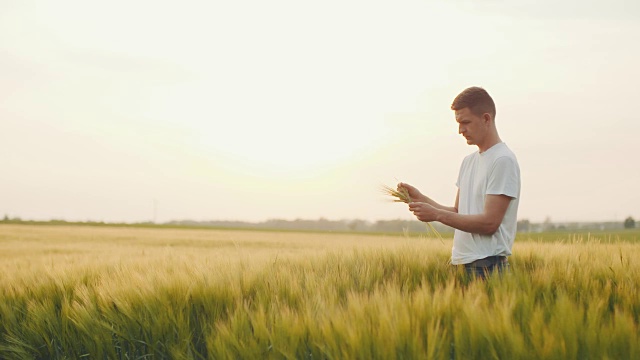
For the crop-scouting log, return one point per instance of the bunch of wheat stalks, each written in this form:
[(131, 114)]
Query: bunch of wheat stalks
[(402, 195)]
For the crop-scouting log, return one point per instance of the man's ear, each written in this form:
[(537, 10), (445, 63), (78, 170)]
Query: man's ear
[(487, 118)]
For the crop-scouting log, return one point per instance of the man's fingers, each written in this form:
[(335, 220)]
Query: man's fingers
[(404, 185)]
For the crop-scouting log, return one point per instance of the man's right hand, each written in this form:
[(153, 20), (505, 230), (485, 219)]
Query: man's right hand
[(415, 194)]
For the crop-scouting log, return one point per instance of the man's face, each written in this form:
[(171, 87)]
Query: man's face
[(471, 126)]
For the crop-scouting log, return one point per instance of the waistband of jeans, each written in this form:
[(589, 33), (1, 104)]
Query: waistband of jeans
[(488, 261)]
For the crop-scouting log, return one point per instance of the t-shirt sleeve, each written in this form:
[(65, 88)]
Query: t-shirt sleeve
[(504, 178)]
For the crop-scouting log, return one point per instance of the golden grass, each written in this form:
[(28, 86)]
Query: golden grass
[(119, 293)]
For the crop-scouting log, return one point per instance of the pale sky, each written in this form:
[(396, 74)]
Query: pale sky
[(252, 110)]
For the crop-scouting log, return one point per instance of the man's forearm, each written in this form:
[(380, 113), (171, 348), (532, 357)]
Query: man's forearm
[(477, 224), (429, 201)]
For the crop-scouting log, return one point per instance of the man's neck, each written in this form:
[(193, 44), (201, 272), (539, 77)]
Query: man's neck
[(489, 143)]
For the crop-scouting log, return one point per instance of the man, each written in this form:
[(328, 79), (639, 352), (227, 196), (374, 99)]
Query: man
[(486, 205)]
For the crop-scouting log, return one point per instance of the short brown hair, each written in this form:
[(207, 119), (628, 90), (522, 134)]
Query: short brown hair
[(477, 100)]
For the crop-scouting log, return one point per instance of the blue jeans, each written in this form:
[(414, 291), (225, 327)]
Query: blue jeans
[(483, 268)]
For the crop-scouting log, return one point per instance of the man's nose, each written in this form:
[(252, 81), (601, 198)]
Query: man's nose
[(460, 129)]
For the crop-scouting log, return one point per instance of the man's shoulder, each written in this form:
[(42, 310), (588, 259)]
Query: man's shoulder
[(503, 151), (506, 149)]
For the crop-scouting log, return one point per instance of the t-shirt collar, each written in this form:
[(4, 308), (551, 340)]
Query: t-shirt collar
[(495, 146)]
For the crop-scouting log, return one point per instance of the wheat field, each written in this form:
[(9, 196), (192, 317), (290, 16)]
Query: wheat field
[(80, 292)]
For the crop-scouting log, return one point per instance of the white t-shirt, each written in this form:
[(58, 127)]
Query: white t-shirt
[(493, 172)]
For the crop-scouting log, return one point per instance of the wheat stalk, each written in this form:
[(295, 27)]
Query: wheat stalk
[(402, 195)]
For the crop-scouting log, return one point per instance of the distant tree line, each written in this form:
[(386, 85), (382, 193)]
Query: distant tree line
[(322, 224), (346, 225)]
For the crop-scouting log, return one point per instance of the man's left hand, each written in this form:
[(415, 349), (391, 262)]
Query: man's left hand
[(423, 211)]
